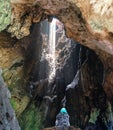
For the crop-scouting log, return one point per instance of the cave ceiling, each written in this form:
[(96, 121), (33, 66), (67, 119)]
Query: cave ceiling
[(88, 22)]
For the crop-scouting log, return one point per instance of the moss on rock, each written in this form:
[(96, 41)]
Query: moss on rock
[(5, 14), (94, 114), (31, 119), (19, 104), (19, 96)]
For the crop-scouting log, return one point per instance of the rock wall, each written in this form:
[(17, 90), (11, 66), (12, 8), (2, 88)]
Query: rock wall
[(80, 25), (89, 23), (87, 102), (5, 14), (12, 63), (7, 115)]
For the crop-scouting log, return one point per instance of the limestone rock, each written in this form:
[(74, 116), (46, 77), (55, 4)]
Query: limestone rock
[(5, 14), (12, 62), (89, 22), (19, 26), (7, 115), (23, 15)]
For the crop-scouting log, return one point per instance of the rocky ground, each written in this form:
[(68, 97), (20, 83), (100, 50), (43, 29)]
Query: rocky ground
[(69, 128)]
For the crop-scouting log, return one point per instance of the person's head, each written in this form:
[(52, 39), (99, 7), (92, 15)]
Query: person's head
[(63, 110)]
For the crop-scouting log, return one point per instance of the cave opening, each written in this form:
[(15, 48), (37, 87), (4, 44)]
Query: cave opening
[(58, 72), (44, 77), (76, 82)]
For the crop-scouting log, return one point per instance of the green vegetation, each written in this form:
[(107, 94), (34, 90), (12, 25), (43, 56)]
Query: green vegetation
[(31, 119), (94, 114), (15, 82), (109, 114), (19, 104), (29, 116), (13, 103)]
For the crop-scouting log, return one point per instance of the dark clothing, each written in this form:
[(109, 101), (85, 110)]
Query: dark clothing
[(62, 120)]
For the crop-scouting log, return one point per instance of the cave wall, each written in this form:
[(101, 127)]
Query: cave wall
[(93, 30), (88, 22), (5, 14), (87, 95), (8, 118), (12, 63), (83, 100), (88, 26), (22, 63), (17, 60)]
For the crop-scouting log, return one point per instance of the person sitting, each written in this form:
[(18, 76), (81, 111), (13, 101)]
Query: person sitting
[(62, 119)]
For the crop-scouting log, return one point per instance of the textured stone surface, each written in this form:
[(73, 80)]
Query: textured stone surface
[(89, 22), (7, 115), (12, 62), (5, 14), (84, 102), (55, 128)]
